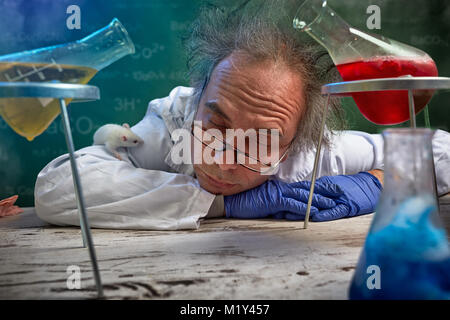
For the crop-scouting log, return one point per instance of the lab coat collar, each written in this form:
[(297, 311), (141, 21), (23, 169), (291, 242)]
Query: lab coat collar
[(178, 115)]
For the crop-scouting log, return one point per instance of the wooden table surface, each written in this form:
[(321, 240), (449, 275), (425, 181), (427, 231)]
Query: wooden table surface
[(223, 259)]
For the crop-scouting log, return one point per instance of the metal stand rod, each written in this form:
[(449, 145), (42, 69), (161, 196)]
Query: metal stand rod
[(434, 179), (412, 110), (412, 115), (84, 223), (316, 162), (428, 125), (412, 120), (426, 114)]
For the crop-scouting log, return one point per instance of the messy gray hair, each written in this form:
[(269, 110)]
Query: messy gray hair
[(262, 29)]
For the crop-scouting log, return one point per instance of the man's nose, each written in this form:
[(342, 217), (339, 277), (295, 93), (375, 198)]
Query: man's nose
[(225, 159)]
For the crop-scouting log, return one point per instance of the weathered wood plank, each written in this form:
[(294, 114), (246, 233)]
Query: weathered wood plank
[(224, 259)]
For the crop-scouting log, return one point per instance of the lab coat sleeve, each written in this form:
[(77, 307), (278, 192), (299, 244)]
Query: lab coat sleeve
[(352, 152), (355, 151), (139, 192), (119, 195), (441, 156)]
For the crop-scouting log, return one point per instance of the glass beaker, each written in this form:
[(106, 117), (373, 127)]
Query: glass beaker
[(74, 62), (359, 56), (406, 253)]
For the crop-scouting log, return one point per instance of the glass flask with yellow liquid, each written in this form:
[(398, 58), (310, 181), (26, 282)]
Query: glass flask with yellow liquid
[(75, 62)]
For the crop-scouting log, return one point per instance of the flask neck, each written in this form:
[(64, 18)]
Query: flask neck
[(106, 45), (96, 51), (344, 43), (324, 25)]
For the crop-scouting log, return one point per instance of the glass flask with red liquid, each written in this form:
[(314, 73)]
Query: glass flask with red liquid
[(360, 56)]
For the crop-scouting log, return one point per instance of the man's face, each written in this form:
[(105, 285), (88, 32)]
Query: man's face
[(245, 96)]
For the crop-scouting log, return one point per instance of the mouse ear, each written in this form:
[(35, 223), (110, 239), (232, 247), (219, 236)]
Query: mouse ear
[(124, 138), (126, 125)]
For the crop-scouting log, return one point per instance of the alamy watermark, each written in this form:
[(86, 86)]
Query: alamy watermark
[(74, 20), (374, 280), (374, 20), (74, 279)]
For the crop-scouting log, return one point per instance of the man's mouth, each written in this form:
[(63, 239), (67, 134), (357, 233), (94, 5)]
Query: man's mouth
[(217, 183)]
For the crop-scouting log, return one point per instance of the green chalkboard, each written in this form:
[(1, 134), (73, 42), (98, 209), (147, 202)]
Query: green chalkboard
[(159, 64)]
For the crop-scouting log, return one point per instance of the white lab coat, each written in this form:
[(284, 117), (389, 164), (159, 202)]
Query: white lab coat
[(148, 191)]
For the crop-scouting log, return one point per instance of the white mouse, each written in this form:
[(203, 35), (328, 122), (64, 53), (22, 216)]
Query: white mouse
[(114, 136)]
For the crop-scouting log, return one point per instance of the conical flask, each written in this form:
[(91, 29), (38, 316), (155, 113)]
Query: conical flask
[(359, 56), (75, 62), (406, 253)]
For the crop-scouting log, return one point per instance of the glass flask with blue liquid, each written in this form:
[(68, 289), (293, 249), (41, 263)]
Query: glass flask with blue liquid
[(406, 254)]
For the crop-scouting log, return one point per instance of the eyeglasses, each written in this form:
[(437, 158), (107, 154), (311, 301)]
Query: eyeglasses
[(218, 145)]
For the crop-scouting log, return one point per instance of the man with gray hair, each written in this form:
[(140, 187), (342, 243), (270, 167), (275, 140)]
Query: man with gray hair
[(249, 74)]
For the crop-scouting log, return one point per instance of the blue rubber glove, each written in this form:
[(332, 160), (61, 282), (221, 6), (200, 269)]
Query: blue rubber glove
[(274, 197), (359, 195)]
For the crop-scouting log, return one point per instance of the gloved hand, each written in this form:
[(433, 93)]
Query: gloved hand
[(358, 195), (275, 197)]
